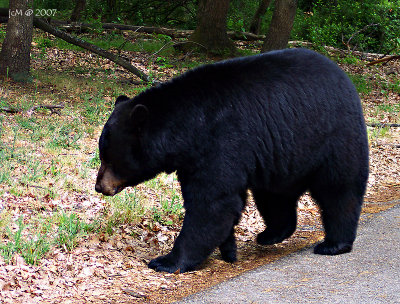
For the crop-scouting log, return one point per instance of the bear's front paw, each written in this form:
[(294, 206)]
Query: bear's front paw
[(169, 264), (330, 248), (229, 255)]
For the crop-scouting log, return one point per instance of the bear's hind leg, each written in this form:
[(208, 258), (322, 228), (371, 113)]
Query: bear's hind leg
[(340, 209), (280, 216)]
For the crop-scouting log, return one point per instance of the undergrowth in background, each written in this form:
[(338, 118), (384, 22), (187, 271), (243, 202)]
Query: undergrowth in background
[(370, 26), (365, 25)]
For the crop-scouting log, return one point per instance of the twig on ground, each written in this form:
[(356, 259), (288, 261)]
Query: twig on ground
[(383, 125), (29, 112), (384, 59)]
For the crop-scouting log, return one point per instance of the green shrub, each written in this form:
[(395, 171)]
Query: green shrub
[(364, 25)]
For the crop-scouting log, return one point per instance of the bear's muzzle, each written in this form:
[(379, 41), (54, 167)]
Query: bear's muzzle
[(107, 182)]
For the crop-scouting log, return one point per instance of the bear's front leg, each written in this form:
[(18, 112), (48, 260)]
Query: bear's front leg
[(205, 227), (228, 248)]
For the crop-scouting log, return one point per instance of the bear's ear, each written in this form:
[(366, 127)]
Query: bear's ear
[(139, 115), (121, 98)]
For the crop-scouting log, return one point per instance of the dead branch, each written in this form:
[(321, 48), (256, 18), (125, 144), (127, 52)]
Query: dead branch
[(29, 112), (388, 145), (52, 108), (10, 110), (153, 30), (347, 44), (394, 57), (39, 23), (383, 125)]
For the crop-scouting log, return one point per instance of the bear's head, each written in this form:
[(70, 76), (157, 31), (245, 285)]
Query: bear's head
[(123, 159)]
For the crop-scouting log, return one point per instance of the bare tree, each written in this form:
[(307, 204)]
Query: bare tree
[(16, 50), (281, 25), (211, 31), (256, 22)]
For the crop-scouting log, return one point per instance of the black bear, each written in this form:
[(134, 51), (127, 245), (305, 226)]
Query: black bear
[(279, 124)]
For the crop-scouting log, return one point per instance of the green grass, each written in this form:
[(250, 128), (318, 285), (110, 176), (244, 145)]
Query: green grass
[(375, 133), (70, 229), (389, 108), (31, 249), (362, 83), (171, 210), (124, 208), (393, 85)]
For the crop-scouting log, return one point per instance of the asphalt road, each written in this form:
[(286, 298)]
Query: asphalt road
[(369, 274)]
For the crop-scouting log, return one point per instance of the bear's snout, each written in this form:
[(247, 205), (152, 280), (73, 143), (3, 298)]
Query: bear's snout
[(107, 183), (98, 188)]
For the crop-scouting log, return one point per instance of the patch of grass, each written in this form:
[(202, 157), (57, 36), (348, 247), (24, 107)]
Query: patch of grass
[(70, 229), (392, 85), (5, 220), (375, 133), (32, 249), (2, 34), (93, 83), (171, 210), (362, 84), (94, 161), (117, 42), (66, 135), (35, 172), (349, 59), (160, 44), (96, 109), (124, 208), (390, 108)]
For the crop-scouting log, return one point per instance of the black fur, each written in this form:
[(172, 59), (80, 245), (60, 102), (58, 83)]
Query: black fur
[(279, 124)]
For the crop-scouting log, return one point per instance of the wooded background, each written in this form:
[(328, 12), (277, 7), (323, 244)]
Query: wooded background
[(209, 26)]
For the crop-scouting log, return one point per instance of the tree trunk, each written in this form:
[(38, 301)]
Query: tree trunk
[(210, 33), (79, 7), (256, 22), (111, 8), (16, 50), (281, 25)]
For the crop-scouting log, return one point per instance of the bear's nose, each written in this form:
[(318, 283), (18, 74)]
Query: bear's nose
[(98, 188)]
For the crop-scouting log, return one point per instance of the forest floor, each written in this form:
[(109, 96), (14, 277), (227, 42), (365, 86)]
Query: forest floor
[(60, 242)]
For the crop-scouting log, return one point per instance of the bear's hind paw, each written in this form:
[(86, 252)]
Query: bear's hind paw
[(329, 248), (270, 237)]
